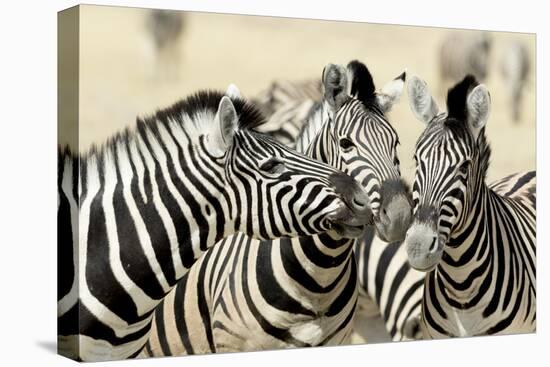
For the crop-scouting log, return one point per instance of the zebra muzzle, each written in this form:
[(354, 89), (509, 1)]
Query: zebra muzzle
[(352, 194), (349, 222), (424, 248), (354, 213)]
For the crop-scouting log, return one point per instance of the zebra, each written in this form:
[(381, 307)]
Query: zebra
[(461, 54), (137, 212), (475, 241), (391, 294), (287, 105), (515, 66), (249, 295), (388, 288), (281, 93), (165, 29)]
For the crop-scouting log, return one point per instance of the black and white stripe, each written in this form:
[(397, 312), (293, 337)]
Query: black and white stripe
[(285, 123), (135, 214), (388, 288), (252, 295), (476, 241), (283, 93), (287, 106)]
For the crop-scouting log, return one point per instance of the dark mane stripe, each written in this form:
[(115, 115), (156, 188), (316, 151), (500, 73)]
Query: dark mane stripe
[(456, 98), (362, 85), (249, 115), (208, 100)]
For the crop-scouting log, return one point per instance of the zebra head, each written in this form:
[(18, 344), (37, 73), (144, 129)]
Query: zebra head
[(451, 160), (272, 191), (357, 138)]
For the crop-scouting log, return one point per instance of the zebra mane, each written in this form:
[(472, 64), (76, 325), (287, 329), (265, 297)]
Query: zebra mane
[(457, 96), (457, 119), (188, 113), (362, 84), (203, 101)]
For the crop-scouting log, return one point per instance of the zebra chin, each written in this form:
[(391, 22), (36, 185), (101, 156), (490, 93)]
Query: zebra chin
[(424, 247)]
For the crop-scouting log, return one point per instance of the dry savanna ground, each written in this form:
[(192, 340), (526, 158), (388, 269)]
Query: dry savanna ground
[(119, 77)]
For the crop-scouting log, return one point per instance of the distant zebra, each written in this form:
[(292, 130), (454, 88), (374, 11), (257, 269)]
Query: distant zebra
[(476, 242), (515, 66), (281, 93), (251, 295), (463, 53), (287, 105), (135, 214), (165, 29), (388, 287)]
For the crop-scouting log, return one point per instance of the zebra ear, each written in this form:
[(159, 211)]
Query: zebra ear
[(421, 101), (335, 83), (225, 125), (478, 105), (232, 91), (391, 92)]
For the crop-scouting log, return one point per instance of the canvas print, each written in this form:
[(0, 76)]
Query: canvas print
[(232, 183)]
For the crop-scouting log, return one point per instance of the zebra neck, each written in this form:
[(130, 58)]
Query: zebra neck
[(473, 215), (468, 251), (323, 260), (154, 206)]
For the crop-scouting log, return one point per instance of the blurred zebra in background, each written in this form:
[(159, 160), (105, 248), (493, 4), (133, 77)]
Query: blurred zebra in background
[(165, 29), (463, 53), (515, 67), (475, 241), (287, 105), (284, 92), (250, 295)]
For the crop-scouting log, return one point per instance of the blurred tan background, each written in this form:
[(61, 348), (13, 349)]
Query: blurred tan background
[(120, 76)]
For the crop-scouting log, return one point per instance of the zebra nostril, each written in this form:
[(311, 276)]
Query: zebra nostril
[(358, 203)]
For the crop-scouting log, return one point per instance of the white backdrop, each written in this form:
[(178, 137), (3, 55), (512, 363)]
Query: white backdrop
[(28, 181)]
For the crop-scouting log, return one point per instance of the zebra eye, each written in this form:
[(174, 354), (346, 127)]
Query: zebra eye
[(273, 166), (463, 169), (346, 144)]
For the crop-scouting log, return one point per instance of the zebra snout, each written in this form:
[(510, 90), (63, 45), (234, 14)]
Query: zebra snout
[(355, 199), (394, 219), (423, 247)]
